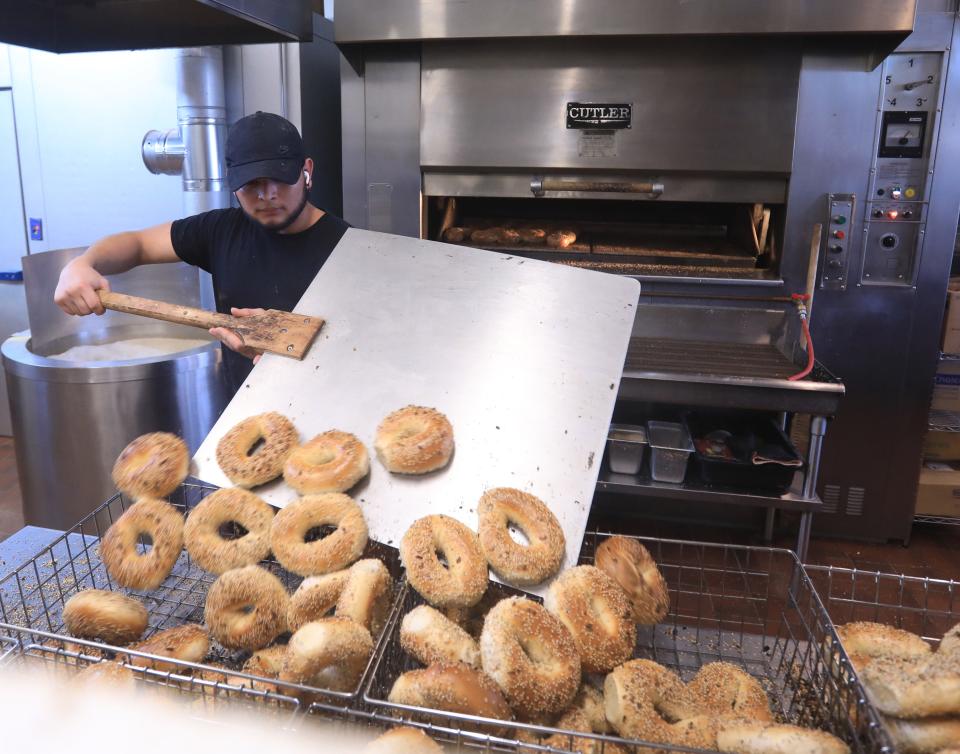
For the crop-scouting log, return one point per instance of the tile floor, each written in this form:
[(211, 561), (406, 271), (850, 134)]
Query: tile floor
[(934, 550)]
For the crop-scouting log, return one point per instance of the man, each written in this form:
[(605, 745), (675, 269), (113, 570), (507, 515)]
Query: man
[(261, 256)]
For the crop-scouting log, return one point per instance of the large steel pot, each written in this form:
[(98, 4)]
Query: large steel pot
[(72, 419)]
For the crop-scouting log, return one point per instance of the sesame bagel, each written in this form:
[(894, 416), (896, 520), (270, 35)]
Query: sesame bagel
[(431, 637), (152, 465), (205, 542), (464, 580), (403, 741), (911, 687), (110, 617), (864, 641), (366, 595), (414, 440), (597, 614), (531, 656), (249, 464), (188, 643), (246, 608), (751, 737), (515, 563), (927, 736), (330, 653), (292, 525), (451, 688), (333, 461), (315, 598), (721, 690), (629, 563), (119, 548)]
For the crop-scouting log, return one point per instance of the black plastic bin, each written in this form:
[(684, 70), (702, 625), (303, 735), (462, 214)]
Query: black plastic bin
[(747, 434)]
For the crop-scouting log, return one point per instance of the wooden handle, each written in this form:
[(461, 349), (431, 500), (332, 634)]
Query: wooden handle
[(182, 315)]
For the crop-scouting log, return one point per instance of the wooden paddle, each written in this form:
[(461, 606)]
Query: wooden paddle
[(274, 331)]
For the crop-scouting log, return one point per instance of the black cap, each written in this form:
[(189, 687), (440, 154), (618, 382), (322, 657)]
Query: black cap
[(263, 145)]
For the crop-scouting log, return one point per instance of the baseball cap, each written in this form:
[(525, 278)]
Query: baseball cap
[(263, 145)]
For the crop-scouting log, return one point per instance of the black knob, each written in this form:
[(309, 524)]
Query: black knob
[(888, 241), (836, 248), (878, 213), (907, 213), (834, 263)]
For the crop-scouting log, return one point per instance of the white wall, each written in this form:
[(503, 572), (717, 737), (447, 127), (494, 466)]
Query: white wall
[(80, 121)]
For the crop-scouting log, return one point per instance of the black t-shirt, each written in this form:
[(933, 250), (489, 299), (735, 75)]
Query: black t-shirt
[(253, 267)]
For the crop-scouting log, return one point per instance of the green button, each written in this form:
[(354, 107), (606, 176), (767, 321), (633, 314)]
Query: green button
[(839, 219)]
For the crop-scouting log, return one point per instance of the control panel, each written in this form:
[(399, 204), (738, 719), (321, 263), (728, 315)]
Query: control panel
[(896, 203), (837, 258)]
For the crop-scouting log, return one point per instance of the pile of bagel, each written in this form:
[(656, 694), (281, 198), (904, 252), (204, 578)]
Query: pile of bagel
[(916, 687), (568, 662), (336, 612)]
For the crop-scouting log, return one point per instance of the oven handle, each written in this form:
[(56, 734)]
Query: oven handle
[(540, 185)]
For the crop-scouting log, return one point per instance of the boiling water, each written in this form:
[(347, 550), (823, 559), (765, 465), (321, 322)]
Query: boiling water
[(134, 348)]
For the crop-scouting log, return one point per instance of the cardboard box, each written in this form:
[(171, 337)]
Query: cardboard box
[(946, 391), (951, 322), (941, 446), (939, 490)]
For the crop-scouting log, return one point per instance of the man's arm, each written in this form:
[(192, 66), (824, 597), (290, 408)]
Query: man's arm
[(81, 279)]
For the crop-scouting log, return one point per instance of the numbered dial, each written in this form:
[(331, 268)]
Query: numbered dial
[(911, 81)]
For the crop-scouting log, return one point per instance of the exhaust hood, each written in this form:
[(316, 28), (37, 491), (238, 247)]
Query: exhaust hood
[(93, 25)]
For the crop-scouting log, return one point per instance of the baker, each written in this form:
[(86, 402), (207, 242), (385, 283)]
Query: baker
[(261, 256)]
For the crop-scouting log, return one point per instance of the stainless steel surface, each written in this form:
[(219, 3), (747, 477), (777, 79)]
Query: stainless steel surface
[(741, 360), (670, 449), (928, 607), (699, 117), (684, 187), (518, 354), (373, 20), (626, 445), (33, 595), (202, 118), (540, 186), (72, 419), (753, 607), (162, 151), (141, 24)]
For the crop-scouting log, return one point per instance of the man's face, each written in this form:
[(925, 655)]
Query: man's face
[(273, 204)]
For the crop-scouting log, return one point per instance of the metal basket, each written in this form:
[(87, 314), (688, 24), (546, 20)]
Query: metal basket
[(33, 595), (750, 606), (927, 607)]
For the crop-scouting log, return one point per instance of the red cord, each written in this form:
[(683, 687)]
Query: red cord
[(809, 367)]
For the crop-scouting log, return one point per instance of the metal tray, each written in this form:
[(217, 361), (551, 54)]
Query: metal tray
[(626, 444), (33, 595), (927, 607), (750, 606)]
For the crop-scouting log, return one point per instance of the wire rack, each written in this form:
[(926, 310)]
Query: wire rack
[(32, 598), (925, 606), (750, 606)]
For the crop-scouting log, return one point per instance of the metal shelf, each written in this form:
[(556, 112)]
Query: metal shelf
[(943, 421), (629, 484), (949, 356), (942, 520)]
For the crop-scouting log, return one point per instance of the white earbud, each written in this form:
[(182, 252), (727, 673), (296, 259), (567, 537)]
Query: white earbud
[(306, 174)]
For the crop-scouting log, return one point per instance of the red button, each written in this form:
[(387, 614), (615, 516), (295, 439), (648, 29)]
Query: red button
[(839, 234), (892, 214)]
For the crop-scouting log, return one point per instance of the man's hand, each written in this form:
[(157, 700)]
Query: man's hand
[(77, 289), (233, 341)]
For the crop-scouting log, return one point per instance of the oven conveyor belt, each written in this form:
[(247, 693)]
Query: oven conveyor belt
[(745, 360)]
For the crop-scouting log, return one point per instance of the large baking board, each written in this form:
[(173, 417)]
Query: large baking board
[(523, 356)]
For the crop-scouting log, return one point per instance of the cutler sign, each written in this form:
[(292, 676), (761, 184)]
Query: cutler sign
[(596, 115)]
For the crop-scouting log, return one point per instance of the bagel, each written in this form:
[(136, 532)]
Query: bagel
[(292, 525), (464, 580), (589, 701), (222, 676), (329, 653), (366, 596), (531, 656), (266, 662), (315, 598), (159, 521), (403, 741), (110, 617), (515, 563), (431, 637), (629, 563), (750, 737), (721, 690), (576, 720), (451, 688), (331, 462), (249, 464), (927, 736), (106, 673), (414, 440), (632, 695), (864, 641), (912, 687), (561, 239), (597, 614), (951, 640), (187, 643), (153, 465), (202, 532), (246, 608)]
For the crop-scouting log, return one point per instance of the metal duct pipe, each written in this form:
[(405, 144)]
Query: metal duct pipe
[(163, 151)]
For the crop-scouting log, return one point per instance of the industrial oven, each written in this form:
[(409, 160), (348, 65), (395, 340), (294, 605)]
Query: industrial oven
[(728, 154)]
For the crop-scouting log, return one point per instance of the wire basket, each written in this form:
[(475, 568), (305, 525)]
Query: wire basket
[(33, 595), (753, 607), (927, 607)]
